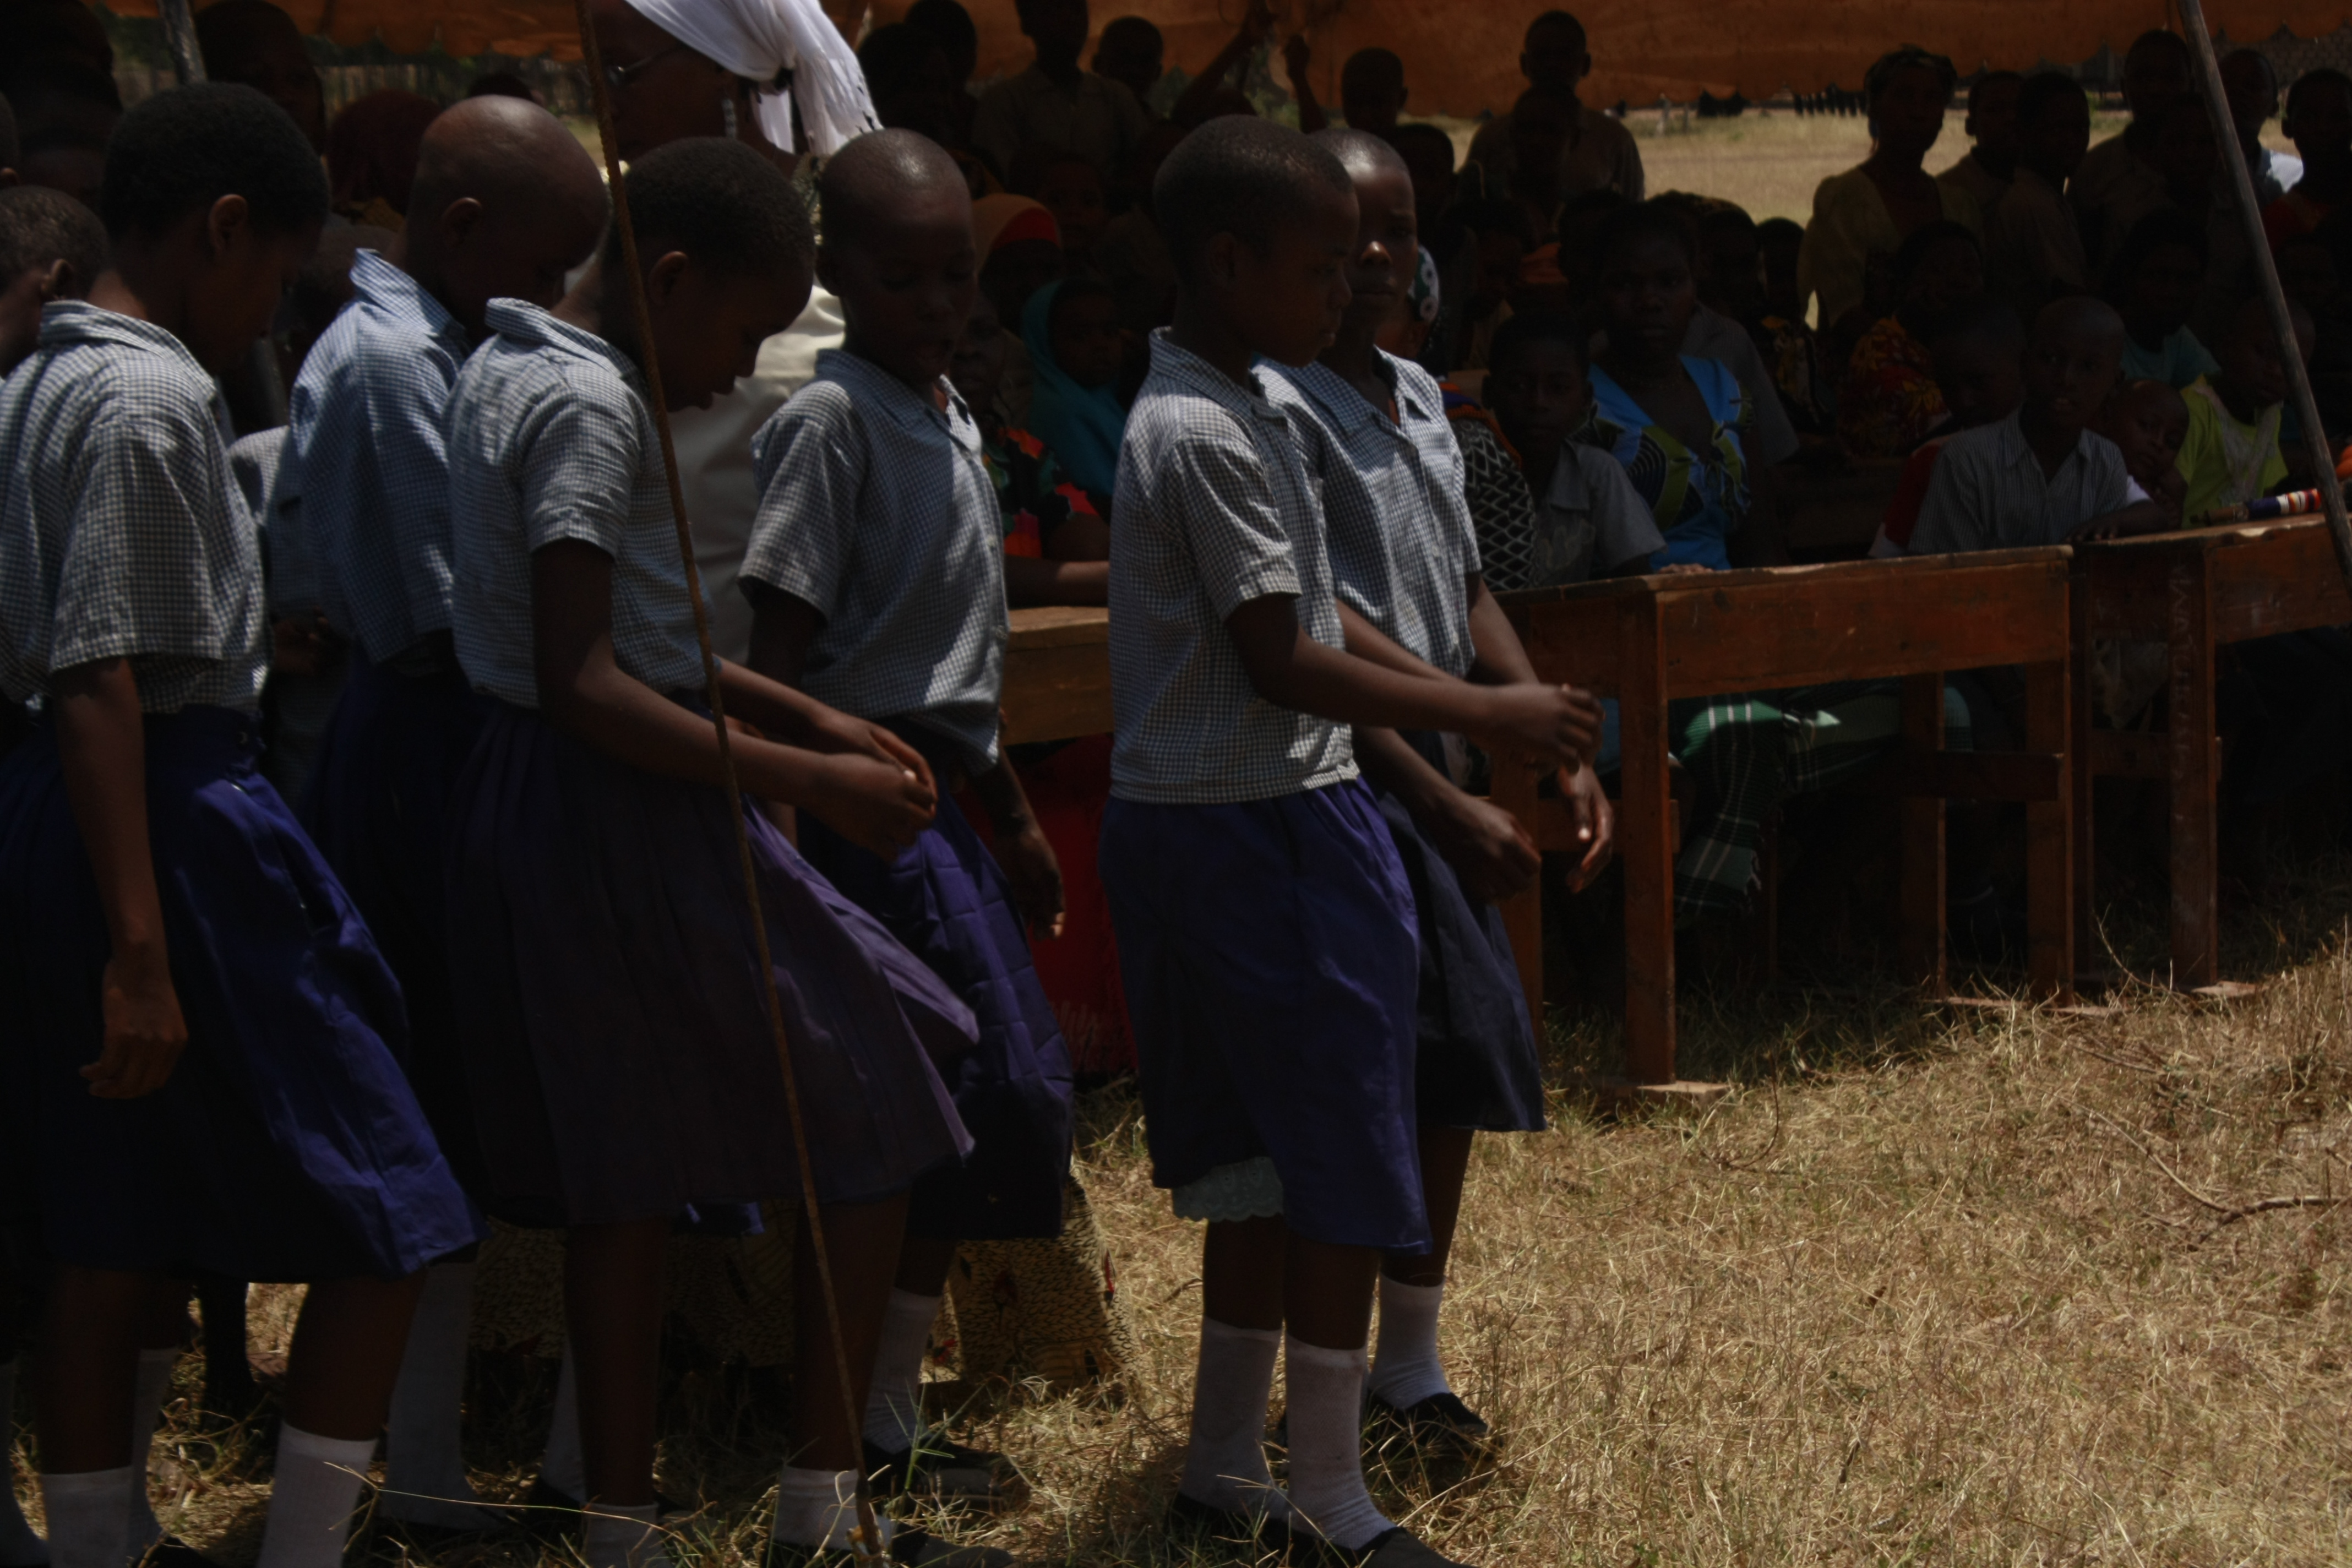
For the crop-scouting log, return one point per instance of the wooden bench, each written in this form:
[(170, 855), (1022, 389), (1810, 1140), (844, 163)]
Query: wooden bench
[(1058, 675), (2192, 591), (1648, 640)]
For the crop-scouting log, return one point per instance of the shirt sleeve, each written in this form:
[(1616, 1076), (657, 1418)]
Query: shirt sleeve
[(1224, 507), (578, 459), (1955, 514), (810, 467), (138, 561), (1774, 436), (1623, 527), (407, 456)]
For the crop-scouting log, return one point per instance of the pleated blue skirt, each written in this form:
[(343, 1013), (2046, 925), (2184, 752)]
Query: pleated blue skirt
[(1476, 1064), (946, 898), (611, 1014), (287, 1145), (378, 808), (1272, 969)]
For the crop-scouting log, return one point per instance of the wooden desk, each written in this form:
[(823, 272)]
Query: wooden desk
[(1058, 675), (1647, 640), (2192, 591)]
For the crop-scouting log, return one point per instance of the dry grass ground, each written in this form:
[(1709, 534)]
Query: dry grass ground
[(1998, 1287)]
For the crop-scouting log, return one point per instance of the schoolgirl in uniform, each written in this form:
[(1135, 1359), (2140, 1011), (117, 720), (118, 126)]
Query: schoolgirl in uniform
[(200, 1071)]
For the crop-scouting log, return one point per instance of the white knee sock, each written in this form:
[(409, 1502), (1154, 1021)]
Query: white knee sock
[(1225, 1465), (153, 1386), (90, 1511), (314, 1498), (615, 1537), (818, 1508), (1327, 1445), (19, 1546), (425, 1465), (894, 1402), (1406, 1370), (563, 1467)]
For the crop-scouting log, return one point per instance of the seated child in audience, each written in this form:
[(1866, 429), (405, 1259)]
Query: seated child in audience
[(1020, 253), (2160, 272), (952, 26), (2033, 248), (1731, 284), (1577, 515), (1676, 424), (2231, 455), (1265, 923), (1131, 52), (51, 247), (1500, 233), (1076, 352), (1074, 191), (1976, 358), (200, 1065), (1888, 401), (1056, 537), (2042, 475)]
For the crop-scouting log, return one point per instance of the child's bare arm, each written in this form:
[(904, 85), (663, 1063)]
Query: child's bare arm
[(1291, 669), (102, 748), (1486, 847), (1028, 860), (583, 692), (1029, 580)]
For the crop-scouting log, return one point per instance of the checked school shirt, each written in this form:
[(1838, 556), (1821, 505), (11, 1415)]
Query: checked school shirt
[(551, 439), (122, 532), (1395, 519), (366, 420), (878, 511), (1213, 506)]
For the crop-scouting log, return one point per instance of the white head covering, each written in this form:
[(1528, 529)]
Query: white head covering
[(757, 39)]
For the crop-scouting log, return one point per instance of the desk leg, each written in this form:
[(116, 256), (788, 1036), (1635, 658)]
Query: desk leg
[(1514, 789), (1646, 844), (2048, 841), (1921, 941), (2080, 717), (2190, 766)]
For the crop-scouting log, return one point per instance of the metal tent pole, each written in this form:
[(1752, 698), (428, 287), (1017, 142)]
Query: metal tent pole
[(2242, 184)]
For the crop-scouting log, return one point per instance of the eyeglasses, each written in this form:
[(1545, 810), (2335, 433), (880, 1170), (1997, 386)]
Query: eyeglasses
[(619, 77)]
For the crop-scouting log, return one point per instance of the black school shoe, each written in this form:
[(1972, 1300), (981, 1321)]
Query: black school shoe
[(911, 1547), (948, 1474), (1261, 1534), (1398, 1548), (1441, 1423)]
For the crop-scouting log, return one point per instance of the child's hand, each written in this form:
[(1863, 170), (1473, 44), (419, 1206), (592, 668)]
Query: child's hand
[(299, 647), (1559, 724), (1035, 871), (1492, 855), (144, 1032), (880, 806), (837, 733), (2141, 517), (1596, 825)]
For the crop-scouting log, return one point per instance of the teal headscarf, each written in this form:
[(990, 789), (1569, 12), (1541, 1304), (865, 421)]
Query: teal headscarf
[(1081, 425)]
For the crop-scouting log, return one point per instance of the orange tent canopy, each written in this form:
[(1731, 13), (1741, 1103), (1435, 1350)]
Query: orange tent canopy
[(1462, 55)]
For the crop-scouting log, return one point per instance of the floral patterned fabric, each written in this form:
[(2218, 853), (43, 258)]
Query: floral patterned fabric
[(1698, 499), (1890, 401), (1034, 496)]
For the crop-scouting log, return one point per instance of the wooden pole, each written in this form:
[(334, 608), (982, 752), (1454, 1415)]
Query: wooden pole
[(2241, 187), (866, 1541), (180, 35)]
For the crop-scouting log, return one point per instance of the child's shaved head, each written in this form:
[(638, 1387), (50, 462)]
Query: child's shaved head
[(2147, 421), (875, 177), (505, 152), (1242, 176), (2081, 316), (1360, 153), (2071, 361)]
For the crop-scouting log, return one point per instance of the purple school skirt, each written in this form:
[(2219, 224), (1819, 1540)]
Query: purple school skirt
[(287, 1145), (378, 808), (946, 898), (1272, 966), (1476, 1051), (609, 1010)]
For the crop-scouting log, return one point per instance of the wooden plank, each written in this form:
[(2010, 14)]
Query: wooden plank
[(1056, 625), (1646, 844), (1057, 691), (2196, 868), (1920, 937), (1860, 619), (2272, 580), (2080, 738)]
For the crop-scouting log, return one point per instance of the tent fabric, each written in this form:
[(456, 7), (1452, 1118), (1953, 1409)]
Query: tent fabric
[(1462, 55)]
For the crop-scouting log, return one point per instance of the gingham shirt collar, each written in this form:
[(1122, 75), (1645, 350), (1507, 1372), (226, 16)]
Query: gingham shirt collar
[(377, 282), (65, 323), (1193, 373), (1395, 519), (526, 323)]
